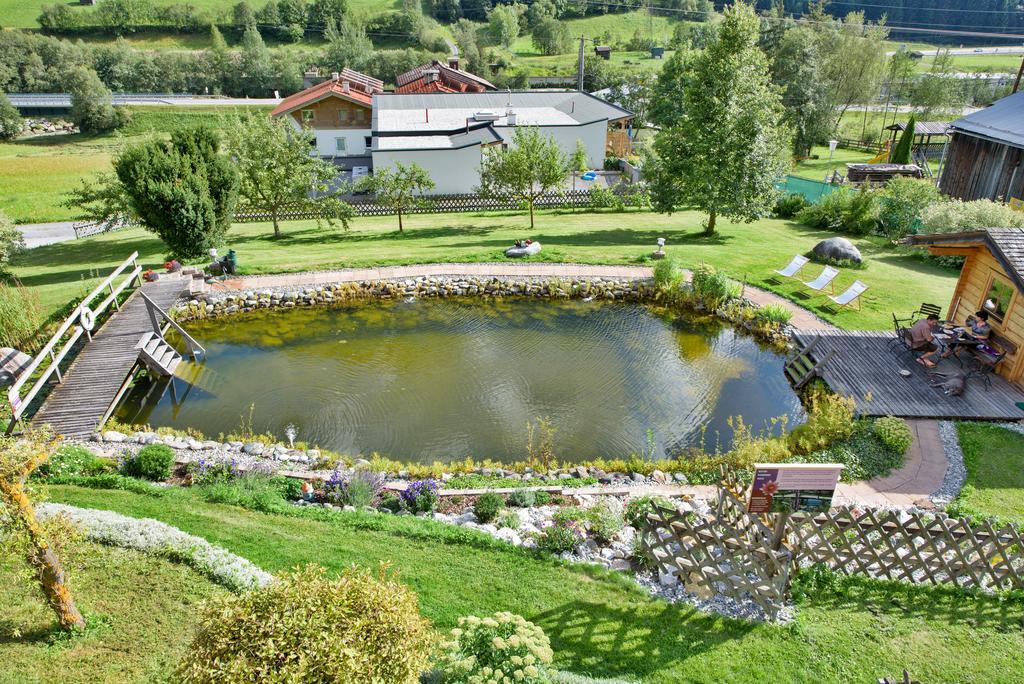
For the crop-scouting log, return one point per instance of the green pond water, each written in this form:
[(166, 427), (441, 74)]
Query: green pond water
[(443, 379)]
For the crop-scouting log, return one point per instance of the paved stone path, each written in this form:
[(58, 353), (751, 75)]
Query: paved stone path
[(802, 318)]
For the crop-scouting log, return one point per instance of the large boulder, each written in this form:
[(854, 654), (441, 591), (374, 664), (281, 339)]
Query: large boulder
[(12, 363), (837, 248)]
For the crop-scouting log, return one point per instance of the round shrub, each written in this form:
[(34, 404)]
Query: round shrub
[(502, 648), (542, 498), (390, 502), (309, 627), (604, 521), (488, 506), (894, 433), (790, 205), (522, 498), (72, 460), (561, 537), (153, 462)]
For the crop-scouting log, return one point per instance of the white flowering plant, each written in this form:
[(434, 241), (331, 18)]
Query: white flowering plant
[(502, 649)]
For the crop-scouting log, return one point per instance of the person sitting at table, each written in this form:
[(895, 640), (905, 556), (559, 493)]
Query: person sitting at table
[(923, 340), (978, 327)]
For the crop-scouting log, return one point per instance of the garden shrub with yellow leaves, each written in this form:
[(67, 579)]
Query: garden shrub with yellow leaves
[(502, 649)]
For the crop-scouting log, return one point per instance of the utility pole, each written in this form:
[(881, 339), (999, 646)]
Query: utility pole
[(579, 67)]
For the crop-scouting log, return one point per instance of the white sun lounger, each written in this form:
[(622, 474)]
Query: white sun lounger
[(824, 280), (798, 262), (852, 294)]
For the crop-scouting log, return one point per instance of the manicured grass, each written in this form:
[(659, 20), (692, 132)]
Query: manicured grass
[(818, 169), (140, 611), (994, 458), (745, 251), (600, 624), (969, 64), (36, 172)]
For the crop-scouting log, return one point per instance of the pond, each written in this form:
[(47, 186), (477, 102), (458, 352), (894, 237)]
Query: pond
[(445, 379)]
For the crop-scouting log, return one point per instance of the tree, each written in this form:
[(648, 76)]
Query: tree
[(322, 13), (902, 152), (10, 119), (277, 171), (722, 147), (795, 67), (18, 458), (11, 241), (103, 201), (503, 24), (183, 190), (91, 103), (346, 44), (937, 90), (256, 69), (853, 60), (532, 166), (399, 187), (551, 37), (634, 93)]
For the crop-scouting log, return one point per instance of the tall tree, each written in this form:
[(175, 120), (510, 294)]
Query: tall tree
[(796, 62), (277, 171), (400, 187), (91, 102), (853, 60), (10, 119), (551, 37), (18, 458), (503, 24), (532, 166), (634, 93), (937, 90), (722, 147), (901, 154), (256, 69), (183, 190)]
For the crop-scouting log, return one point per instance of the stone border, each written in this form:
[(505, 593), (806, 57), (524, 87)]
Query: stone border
[(956, 472)]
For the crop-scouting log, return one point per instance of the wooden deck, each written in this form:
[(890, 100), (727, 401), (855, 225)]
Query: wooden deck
[(866, 367), (92, 382)]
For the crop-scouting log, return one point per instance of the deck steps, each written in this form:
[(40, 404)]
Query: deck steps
[(157, 354)]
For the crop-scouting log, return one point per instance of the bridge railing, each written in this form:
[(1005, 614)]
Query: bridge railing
[(80, 322)]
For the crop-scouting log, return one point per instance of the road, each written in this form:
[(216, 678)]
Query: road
[(999, 50), (38, 234)]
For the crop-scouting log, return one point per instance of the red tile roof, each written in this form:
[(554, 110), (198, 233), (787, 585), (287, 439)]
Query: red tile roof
[(328, 88), (449, 80)]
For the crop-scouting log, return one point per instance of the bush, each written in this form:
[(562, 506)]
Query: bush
[(11, 241), (603, 521), (901, 203), (603, 198), (894, 433), (561, 537), (502, 648), (10, 119), (359, 490), (152, 462), (844, 211), (522, 499), (829, 420), (790, 205), (488, 506), (953, 216), (356, 627), (863, 453), (668, 275), (542, 498), (390, 503), (637, 509), (509, 519), (73, 460), (710, 286), (255, 491), (20, 317), (774, 314), (420, 496)]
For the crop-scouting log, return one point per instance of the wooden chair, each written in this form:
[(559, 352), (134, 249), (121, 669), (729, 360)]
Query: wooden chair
[(852, 295), (926, 310), (824, 279), (790, 271), (984, 363)]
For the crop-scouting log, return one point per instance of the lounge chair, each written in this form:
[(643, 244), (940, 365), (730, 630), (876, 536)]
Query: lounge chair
[(824, 280), (798, 262), (851, 295)]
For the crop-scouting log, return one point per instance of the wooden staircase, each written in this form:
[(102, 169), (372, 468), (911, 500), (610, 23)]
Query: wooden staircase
[(157, 354), (806, 362)]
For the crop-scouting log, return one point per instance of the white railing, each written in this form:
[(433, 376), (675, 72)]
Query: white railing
[(80, 322)]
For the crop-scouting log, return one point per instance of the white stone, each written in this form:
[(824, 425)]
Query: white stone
[(114, 436)]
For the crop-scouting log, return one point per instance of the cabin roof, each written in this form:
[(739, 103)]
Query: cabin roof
[(1006, 245), (1002, 122)]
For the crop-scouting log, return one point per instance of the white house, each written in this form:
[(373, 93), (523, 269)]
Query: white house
[(446, 133)]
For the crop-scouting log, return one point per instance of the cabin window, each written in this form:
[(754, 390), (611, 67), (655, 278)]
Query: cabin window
[(307, 115), (339, 144), (997, 301), (342, 116)]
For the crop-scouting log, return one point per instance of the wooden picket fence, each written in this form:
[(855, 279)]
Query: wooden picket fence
[(434, 204), (744, 556)]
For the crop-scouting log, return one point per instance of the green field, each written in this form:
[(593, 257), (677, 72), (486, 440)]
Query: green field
[(746, 251), (598, 622), (35, 173), (818, 169), (977, 63), (994, 458)]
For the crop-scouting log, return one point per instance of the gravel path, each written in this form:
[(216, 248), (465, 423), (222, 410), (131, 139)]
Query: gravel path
[(956, 472)]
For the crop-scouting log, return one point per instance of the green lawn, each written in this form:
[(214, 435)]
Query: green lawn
[(818, 169), (897, 282), (994, 458), (35, 173), (992, 63), (140, 609), (599, 624)]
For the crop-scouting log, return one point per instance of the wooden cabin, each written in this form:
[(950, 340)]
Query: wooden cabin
[(992, 279), (985, 155)]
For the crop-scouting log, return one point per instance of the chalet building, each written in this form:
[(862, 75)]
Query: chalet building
[(339, 111), (985, 155), (446, 133), (992, 279), (438, 77)]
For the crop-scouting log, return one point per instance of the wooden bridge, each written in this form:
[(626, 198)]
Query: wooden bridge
[(89, 387)]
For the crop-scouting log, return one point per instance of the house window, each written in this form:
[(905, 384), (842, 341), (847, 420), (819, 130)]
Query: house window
[(307, 115), (997, 301), (339, 144), (342, 117)]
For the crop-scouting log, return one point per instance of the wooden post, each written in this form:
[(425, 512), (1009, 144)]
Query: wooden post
[(780, 531), (56, 367), (110, 286)]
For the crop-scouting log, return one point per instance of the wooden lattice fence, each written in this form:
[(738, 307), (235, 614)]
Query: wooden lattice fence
[(736, 554), (437, 204)]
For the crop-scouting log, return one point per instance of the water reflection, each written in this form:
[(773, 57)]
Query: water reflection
[(443, 379)]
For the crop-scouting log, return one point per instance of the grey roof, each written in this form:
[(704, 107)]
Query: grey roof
[(392, 143), (429, 112), (922, 127), (1002, 122), (1006, 245)]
